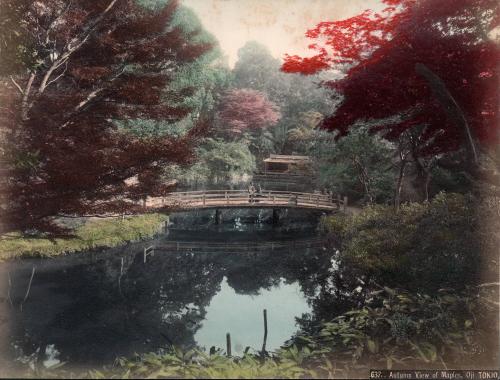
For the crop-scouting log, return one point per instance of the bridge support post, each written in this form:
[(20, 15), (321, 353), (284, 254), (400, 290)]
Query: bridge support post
[(345, 203), (276, 215), (218, 216)]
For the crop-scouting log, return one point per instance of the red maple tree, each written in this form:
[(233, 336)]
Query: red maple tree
[(428, 63), (70, 70), (248, 110)]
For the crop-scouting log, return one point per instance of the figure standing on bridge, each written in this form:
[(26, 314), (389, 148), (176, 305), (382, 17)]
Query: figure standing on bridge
[(330, 195), (251, 192), (260, 192)]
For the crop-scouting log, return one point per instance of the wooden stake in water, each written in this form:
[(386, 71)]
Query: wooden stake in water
[(265, 332), (228, 344)]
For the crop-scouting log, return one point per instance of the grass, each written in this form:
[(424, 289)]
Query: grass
[(101, 233)]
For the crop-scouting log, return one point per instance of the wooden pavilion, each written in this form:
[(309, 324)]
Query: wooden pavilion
[(282, 164), (286, 171)]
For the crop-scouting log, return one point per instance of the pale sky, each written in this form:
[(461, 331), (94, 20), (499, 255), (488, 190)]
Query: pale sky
[(278, 24)]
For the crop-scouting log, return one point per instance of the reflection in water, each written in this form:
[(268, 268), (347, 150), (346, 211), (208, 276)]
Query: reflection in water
[(89, 309), (241, 315)]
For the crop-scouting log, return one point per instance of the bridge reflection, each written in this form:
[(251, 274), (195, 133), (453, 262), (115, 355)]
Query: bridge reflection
[(238, 246)]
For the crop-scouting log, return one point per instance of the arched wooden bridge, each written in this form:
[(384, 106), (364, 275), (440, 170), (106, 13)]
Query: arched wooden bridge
[(218, 199)]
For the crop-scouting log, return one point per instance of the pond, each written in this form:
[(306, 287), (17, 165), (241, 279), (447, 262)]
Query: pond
[(87, 309)]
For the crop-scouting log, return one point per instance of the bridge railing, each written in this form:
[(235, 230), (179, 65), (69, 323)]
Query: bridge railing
[(242, 197)]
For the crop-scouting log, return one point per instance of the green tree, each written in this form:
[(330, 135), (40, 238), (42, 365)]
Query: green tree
[(217, 161), (360, 165), (206, 78), (301, 138), (295, 94)]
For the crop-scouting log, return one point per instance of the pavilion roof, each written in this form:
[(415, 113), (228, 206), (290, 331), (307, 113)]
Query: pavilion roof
[(292, 159)]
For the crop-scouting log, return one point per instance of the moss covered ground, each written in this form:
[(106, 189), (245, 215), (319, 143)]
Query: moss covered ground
[(94, 233)]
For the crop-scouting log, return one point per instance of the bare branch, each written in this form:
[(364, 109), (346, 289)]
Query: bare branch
[(88, 99), (48, 74), (16, 84), (59, 76)]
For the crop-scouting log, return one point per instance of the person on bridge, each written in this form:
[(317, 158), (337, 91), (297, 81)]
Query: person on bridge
[(260, 192), (251, 192)]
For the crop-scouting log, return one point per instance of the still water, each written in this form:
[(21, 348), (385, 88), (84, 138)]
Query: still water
[(87, 309)]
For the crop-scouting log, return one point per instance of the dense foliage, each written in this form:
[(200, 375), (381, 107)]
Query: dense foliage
[(244, 110), (97, 93), (448, 242), (360, 165), (294, 94), (208, 77), (218, 161), (393, 58), (83, 66), (397, 329), (425, 74)]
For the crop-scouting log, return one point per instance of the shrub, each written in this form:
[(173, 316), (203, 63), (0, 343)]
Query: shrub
[(435, 244), (404, 330)]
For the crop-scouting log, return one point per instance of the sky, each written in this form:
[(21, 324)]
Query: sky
[(278, 24)]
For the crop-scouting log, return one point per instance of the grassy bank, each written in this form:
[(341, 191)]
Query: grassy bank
[(95, 233)]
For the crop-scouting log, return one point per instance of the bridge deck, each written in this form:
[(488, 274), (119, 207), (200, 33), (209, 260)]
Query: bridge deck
[(242, 199)]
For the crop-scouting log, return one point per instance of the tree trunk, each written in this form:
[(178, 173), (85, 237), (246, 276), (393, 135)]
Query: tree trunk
[(399, 185), (363, 178)]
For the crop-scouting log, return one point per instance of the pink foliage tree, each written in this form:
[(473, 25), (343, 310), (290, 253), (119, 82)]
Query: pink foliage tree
[(244, 110)]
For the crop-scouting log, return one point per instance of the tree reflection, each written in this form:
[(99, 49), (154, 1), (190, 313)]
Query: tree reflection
[(93, 312)]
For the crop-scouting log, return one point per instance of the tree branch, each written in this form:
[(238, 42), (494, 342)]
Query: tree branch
[(25, 102), (74, 45), (48, 74), (90, 97), (449, 103), (17, 85), (53, 22), (59, 76)]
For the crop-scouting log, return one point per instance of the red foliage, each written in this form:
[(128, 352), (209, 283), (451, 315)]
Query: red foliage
[(380, 53), (98, 62), (246, 110)]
